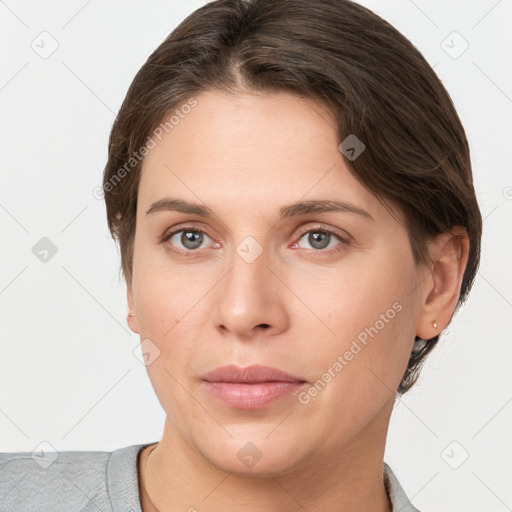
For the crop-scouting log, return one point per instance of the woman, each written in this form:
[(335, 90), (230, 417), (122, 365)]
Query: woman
[(291, 190)]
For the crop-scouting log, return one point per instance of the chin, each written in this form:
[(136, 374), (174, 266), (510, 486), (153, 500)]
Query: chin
[(252, 455)]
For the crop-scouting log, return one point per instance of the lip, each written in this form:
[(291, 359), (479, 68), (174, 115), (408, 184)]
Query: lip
[(249, 374), (252, 387)]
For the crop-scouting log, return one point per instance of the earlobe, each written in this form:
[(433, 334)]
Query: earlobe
[(131, 318), (449, 252)]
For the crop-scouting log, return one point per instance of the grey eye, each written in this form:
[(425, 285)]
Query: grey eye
[(189, 239), (319, 239)]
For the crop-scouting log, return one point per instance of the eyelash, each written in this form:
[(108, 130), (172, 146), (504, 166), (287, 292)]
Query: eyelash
[(319, 229)]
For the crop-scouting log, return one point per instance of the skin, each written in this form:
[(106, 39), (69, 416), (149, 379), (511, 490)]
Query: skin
[(245, 156)]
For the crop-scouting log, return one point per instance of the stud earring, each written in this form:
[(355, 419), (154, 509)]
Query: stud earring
[(131, 314), (434, 324)]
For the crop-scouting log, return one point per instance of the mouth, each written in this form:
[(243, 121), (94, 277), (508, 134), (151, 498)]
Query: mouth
[(253, 387)]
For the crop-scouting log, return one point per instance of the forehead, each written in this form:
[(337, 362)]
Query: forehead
[(251, 151)]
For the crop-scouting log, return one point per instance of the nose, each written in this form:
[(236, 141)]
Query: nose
[(250, 300)]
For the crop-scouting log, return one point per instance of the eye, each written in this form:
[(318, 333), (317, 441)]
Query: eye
[(186, 239), (322, 239)]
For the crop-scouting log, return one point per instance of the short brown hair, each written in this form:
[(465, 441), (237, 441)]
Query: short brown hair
[(375, 82)]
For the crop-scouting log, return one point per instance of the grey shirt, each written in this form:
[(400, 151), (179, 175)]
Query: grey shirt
[(81, 481)]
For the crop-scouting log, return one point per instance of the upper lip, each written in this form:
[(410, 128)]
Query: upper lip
[(253, 373)]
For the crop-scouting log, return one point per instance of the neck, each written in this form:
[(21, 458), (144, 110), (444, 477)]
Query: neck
[(179, 478)]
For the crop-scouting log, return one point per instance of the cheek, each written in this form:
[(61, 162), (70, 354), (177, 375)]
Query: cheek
[(353, 296), (172, 315), (370, 312), (169, 314), (165, 293)]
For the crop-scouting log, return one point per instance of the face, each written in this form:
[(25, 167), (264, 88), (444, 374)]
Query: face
[(327, 296)]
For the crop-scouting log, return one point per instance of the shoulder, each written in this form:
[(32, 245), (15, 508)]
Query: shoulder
[(397, 495), (70, 480)]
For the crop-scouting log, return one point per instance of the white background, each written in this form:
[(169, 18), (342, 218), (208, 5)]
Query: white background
[(68, 373)]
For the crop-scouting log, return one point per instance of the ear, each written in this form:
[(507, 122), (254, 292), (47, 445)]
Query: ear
[(440, 290), (132, 318)]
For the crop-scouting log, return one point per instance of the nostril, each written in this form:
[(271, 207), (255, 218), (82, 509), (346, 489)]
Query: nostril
[(265, 325)]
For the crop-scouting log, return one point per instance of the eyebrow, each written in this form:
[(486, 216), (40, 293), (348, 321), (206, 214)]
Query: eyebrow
[(292, 210)]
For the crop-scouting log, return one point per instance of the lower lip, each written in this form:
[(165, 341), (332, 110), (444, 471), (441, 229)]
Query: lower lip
[(252, 396)]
